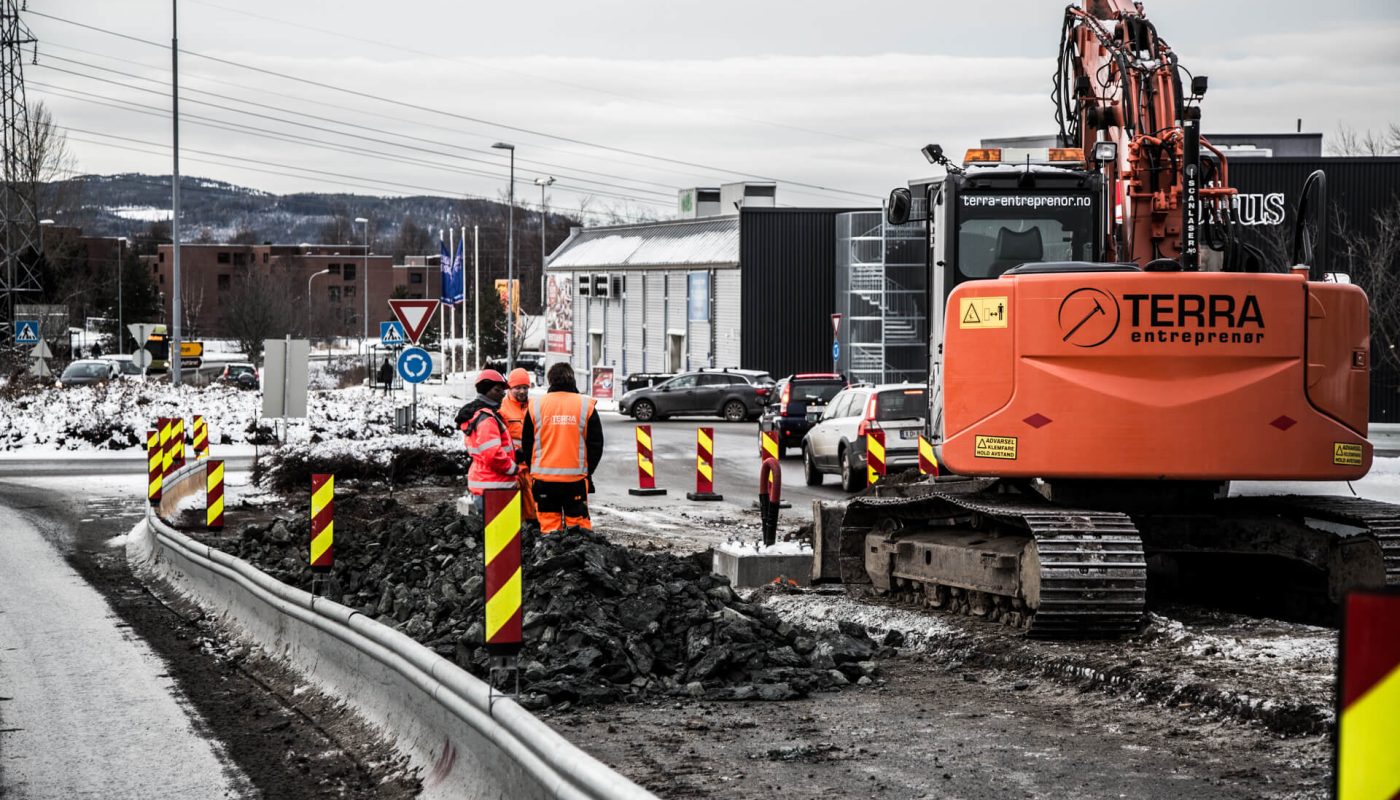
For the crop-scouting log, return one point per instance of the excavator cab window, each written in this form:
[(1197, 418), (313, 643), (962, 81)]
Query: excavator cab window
[(1000, 230)]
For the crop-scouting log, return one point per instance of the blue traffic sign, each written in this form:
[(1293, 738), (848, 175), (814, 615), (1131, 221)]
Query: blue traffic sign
[(27, 331), (835, 350), (415, 365), (391, 333)]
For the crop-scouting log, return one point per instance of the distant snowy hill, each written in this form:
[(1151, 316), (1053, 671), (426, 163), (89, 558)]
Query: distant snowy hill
[(118, 205)]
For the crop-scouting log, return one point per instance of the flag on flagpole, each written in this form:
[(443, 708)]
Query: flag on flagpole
[(452, 284), (459, 267)]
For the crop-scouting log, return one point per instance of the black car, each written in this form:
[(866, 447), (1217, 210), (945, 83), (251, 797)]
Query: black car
[(795, 396), (641, 380), (734, 394)]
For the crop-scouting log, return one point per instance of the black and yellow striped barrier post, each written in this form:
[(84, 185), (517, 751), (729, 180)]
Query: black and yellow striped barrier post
[(155, 465), (214, 494)]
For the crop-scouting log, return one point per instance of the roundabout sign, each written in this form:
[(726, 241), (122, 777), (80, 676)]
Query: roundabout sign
[(415, 365)]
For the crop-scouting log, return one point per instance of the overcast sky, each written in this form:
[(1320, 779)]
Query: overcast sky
[(831, 99)]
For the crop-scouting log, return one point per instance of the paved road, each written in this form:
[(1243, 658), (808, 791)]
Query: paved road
[(89, 710), (736, 467)]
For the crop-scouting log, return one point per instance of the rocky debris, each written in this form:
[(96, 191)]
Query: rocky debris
[(290, 468), (601, 622)]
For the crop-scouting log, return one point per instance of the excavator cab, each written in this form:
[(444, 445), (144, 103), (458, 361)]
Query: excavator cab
[(1048, 362)]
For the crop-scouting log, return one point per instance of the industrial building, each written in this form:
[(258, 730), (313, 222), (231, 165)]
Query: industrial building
[(739, 282)]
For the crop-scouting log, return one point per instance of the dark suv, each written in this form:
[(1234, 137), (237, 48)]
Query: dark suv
[(734, 394), (795, 396)]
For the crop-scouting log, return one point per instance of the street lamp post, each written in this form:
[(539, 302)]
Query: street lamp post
[(313, 277), (544, 212), (510, 262), (364, 332), (121, 325)]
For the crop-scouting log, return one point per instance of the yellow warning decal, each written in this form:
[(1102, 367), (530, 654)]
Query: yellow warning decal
[(996, 447), (982, 312), (1346, 455)]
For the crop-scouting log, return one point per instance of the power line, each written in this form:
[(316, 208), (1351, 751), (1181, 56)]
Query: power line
[(90, 98), (321, 128), (546, 79), (454, 115)]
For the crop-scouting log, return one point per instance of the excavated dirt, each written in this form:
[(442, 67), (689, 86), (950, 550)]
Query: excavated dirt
[(602, 622)]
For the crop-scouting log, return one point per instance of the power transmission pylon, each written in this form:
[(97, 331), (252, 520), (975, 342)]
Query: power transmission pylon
[(18, 222)]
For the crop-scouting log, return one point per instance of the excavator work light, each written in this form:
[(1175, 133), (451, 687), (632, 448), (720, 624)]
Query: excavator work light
[(932, 152), (1105, 152)]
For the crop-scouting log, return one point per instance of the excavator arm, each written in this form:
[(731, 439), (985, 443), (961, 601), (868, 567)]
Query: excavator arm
[(1119, 82)]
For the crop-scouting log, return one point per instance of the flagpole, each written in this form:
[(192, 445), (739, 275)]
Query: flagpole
[(476, 285), (443, 291), (462, 243)]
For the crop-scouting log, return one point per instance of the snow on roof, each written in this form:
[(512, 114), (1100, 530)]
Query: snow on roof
[(710, 241)]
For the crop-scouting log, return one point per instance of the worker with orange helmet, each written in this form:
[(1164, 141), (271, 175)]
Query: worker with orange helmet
[(487, 439), (514, 408), (563, 443)]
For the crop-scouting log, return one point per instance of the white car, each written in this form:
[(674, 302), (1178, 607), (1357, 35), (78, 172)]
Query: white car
[(836, 444), (126, 368)]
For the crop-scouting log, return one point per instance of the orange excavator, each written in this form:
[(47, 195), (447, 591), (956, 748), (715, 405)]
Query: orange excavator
[(1106, 354)]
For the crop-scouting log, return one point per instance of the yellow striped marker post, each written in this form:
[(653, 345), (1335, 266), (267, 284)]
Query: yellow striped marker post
[(704, 466), (177, 442), (503, 572), (1368, 727), (768, 446), (322, 522), (201, 437), (167, 425), (928, 462), (646, 467), (214, 494), (874, 456), (155, 465)]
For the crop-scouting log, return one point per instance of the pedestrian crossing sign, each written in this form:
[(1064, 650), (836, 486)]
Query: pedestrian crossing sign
[(27, 331), (391, 333)]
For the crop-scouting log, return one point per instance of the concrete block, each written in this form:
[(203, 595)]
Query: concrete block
[(826, 540), (750, 564)]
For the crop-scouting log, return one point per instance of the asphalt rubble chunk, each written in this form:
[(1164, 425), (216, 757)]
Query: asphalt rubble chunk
[(602, 622)]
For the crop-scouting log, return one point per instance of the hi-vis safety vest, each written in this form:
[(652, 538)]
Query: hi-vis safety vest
[(514, 415), (560, 420)]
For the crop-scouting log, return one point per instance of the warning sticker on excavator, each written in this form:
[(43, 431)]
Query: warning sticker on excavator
[(996, 447), (1346, 455), (982, 312)]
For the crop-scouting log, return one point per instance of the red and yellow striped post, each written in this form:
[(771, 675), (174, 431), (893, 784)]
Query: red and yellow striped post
[(201, 437), (177, 442), (874, 456), (214, 493), (928, 462), (155, 465), (322, 522), (503, 572), (646, 468), (704, 466), (167, 453), (1368, 727), (768, 446)]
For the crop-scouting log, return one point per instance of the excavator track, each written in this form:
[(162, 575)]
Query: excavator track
[(1378, 520), (1057, 572)]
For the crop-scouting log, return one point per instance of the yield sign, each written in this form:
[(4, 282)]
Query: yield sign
[(415, 316), (835, 324)]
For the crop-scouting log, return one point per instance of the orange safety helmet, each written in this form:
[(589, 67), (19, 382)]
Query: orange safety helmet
[(519, 377)]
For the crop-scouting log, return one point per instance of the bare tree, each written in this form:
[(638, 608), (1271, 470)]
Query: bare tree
[(1373, 258), (1351, 142), (263, 304)]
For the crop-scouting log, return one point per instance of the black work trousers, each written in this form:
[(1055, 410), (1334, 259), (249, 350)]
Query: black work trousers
[(562, 504)]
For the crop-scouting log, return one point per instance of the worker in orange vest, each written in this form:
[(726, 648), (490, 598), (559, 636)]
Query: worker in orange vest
[(487, 439), (563, 443), (514, 408)]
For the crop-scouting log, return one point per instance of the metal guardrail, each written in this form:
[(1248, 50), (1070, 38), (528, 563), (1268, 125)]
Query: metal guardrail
[(522, 756)]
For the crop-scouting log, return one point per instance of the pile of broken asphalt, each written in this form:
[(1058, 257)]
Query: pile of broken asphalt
[(602, 622)]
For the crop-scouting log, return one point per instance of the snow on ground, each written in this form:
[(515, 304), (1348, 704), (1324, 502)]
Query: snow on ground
[(115, 416)]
